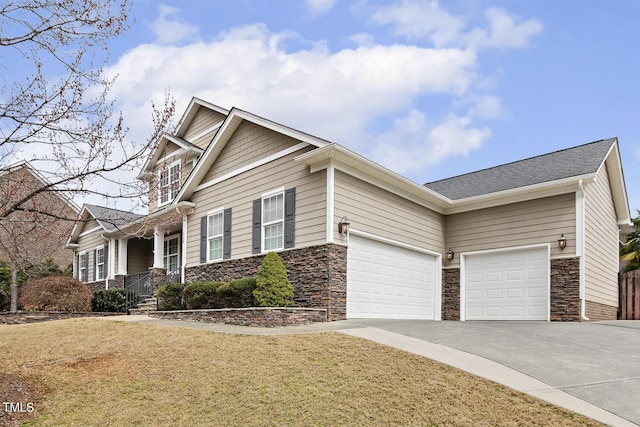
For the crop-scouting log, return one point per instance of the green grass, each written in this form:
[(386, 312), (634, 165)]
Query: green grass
[(96, 372)]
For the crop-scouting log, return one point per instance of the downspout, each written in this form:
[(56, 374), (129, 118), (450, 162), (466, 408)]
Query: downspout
[(580, 246), (183, 239)]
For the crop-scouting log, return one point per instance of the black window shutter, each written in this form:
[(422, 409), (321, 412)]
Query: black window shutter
[(86, 267), (94, 265), (203, 239), (105, 266), (257, 226), (290, 218), (76, 273), (226, 237)]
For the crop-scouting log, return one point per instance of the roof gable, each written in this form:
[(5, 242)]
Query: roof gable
[(222, 137), (571, 162), (192, 110), (108, 219), (162, 150)]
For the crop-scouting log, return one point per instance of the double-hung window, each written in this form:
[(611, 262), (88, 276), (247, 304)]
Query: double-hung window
[(215, 238), (99, 263), (82, 267), (172, 254), (273, 222), (169, 183)]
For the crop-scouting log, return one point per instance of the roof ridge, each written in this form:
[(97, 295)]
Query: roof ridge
[(612, 139)]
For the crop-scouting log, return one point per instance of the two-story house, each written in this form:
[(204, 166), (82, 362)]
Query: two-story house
[(533, 239)]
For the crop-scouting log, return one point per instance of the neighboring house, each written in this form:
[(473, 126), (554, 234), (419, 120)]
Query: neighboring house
[(365, 242), (29, 238)]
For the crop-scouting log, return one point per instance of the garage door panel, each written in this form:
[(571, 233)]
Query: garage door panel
[(387, 281), (508, 285)]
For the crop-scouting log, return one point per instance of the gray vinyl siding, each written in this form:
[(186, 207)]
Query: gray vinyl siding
[(601, 242), (203, 119), (380, 212), (239, 192), (518, 224), (88, 244), (249, 143), (89, 225)]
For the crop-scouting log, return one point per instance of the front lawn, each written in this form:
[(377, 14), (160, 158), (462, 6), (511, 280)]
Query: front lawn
[(105, 373)]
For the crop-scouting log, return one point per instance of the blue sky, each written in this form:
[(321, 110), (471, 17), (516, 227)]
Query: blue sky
[(428, 89)]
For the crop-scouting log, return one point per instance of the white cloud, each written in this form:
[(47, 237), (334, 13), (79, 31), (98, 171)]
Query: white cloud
[(417, 19), (363, 39), (320, 6), (333, 95), (425, 19), (412, 144), (505, 31), (168, 29)]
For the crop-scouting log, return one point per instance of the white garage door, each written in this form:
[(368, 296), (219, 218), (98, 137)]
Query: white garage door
[(507, 285), (389, 282)]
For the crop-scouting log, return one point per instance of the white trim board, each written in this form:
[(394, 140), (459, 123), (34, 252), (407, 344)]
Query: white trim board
[(253, 165)]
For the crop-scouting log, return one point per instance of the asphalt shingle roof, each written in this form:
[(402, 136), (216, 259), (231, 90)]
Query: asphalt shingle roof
[(109, 218), (575, 161)]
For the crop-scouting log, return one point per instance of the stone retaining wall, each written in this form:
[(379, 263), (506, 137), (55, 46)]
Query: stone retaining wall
[(256, 316), (318, 275), (43, 316)]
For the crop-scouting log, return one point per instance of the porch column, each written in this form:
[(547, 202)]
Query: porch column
[(112, 259), (122, 256), (184, 248), (158, 248)]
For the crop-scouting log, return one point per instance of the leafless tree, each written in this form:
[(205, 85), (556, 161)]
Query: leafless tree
[(55, 112), (54, 104)]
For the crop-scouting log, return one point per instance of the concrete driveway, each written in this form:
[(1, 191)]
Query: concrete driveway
[(596, 362)]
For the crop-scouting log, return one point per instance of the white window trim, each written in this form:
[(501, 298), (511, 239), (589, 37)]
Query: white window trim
[(99, 267), (265, 224), (83, 256), (165, 258), (215, 212), (168, 170)]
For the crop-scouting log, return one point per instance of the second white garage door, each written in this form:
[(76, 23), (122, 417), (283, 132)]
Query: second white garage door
[(389, 282), (507, 285)]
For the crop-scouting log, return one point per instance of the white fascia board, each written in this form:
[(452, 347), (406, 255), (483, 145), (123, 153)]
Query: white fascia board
[(358, 166), (93, 230), (206, 131), (617, 183), (195, 104), (253, 165), (221, 139), (157, 215), (520, 194)]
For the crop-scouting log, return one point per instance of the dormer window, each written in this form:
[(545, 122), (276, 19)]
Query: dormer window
[(169, 183)]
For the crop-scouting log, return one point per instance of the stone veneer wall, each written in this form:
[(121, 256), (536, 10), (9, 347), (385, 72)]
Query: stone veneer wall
[(597, 311), (565, 289), (256, 316), (318, 275), (96, 286), (451, 294), (115, 283)]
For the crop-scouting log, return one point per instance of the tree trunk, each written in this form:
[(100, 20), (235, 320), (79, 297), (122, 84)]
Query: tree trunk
[(14, 289)]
